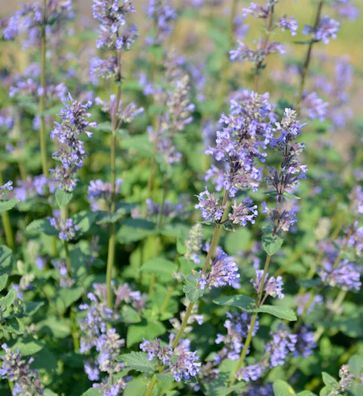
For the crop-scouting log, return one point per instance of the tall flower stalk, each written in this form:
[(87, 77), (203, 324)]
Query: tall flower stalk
[(43, 94), (116, 35)]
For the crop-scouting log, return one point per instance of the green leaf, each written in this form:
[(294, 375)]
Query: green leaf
[(306, 393), (240, 301), (356, 365), (271, 243), (278, 311), (329, 380), (3, 281), (139, 361), (92, 392), (7, 205), (137, 333), (133, 230), (27, 348), (282, 388), (66, 297), (163, 268), (192, 289), (237, 241), (63, 198), (5, 259), (8, 300), (40, 226), (84, 220), (129, 315)]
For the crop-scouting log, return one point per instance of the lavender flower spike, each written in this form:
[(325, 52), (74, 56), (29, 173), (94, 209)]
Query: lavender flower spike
[(71, 152), (272, 286)]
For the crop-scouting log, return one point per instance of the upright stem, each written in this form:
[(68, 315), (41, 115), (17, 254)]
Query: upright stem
[(150, 387), (9, 236), (112, 237), (5, 218), (308, 55), (269, 28), (42, 99), (252, 321)]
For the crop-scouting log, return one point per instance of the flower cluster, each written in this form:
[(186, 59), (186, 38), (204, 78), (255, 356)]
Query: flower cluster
[(224, 271), (97, 335), (100, 194), (237, 325), (178, 111), (18, 371), (66, 228), (71, 152), (281, 344), (29, 19), (181, 361), (326, 30), (5, 189), (162, 14), (193, 244), (272, 286), (345, 275), (114, 30)]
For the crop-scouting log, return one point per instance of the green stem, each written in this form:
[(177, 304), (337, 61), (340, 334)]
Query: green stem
[(308, 56), (269, 28), (112, 237), (252, 321), (9, 236), (150, 387), (42, 99), (211, 253)]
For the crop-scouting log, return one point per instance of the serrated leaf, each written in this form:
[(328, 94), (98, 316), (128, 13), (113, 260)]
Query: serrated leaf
[(271, 243), (63, 198), (150, 330), (356, 365), (278, 311), (7, 205), (84, 220), (8, 300), (27, 348), (245, 303), (192, 289), (163, 268), (132, 230), (282, 388), (129, 315), (329, 380), (138, 361), (5, 258), (3, 281), (40, 226), (92, 392)]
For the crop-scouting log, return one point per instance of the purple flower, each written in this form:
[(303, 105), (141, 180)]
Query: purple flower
[(289, 23), (66, 228), (237, 325), (345, 275), (345, 9), (162, 14), (251, 373), (100, 193), (5, 189), (313, 106), (92, 371), (281, 344), (224, 271), (305, 299), (16, 370), (114, 31), (65, 279), (243, 212), (181, 361), (272, 286), (210, 207), (356, 198), (71, 152), (305, 342), (104, 68), (326, 30)]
